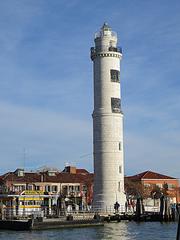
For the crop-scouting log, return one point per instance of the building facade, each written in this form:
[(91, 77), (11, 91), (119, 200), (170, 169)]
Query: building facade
[(107, 121), (151, 186), (46, 193)]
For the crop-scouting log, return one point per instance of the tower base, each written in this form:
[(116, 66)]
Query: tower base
[(104, 203)]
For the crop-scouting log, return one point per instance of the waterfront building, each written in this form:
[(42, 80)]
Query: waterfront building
[(107, 122), (151, 186), (46, 192), (51, 192)]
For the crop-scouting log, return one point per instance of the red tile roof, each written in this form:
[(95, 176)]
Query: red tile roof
[(44, 177), (149, 175), (28, 177), (81, 171), (69, 178)]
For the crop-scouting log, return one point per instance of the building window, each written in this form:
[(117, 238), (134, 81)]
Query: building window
[(30, 187), (119, 146), (116, 105), (47, 188), (64, 190), (18, 188), (120, 169), (84, 188), (115, 76), (77, 188), (171, 186), (71, 188), (37, 188), (51, 173), (147, 184), (54, 188)]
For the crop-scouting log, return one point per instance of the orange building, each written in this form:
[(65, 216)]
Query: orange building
[(151, 180)]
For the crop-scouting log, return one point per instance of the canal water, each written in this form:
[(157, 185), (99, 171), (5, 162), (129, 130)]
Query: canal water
[(114, 231)]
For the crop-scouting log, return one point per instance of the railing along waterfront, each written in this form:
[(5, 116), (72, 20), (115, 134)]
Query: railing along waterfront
[(46, 212)]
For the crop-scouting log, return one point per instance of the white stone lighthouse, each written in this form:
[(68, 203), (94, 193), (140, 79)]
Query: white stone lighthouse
[(107, 122)]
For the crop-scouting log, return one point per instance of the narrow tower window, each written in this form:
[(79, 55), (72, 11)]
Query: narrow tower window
[(119, 186), (119, 146), (116, 105), (120, 169), (115, 76)]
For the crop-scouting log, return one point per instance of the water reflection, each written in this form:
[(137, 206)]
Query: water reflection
[(139, 231), (115, 231)]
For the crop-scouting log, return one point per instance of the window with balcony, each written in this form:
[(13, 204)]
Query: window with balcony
[(115, 75), (116, 105)]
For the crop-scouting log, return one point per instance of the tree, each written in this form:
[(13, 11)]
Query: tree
[(137, 189)]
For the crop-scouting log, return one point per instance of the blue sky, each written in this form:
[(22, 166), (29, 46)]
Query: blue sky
[(46, 94)]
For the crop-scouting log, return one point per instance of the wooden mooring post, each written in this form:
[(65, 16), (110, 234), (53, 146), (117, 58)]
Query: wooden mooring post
[(178, 227)]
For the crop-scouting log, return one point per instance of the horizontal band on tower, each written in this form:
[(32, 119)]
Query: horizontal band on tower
[(102, 114), (105, 54)]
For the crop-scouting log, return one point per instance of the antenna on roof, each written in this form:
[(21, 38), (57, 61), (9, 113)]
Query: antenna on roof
[(24, 157)]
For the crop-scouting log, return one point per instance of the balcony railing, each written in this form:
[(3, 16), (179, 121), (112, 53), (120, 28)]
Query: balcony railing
[(93, 50), (115, 49), (110, 49)]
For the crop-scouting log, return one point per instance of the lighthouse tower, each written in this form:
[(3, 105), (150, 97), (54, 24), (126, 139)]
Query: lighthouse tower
[(107, 122)]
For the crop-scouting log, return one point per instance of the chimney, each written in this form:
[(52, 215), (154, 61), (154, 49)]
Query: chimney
[(70, 169)]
